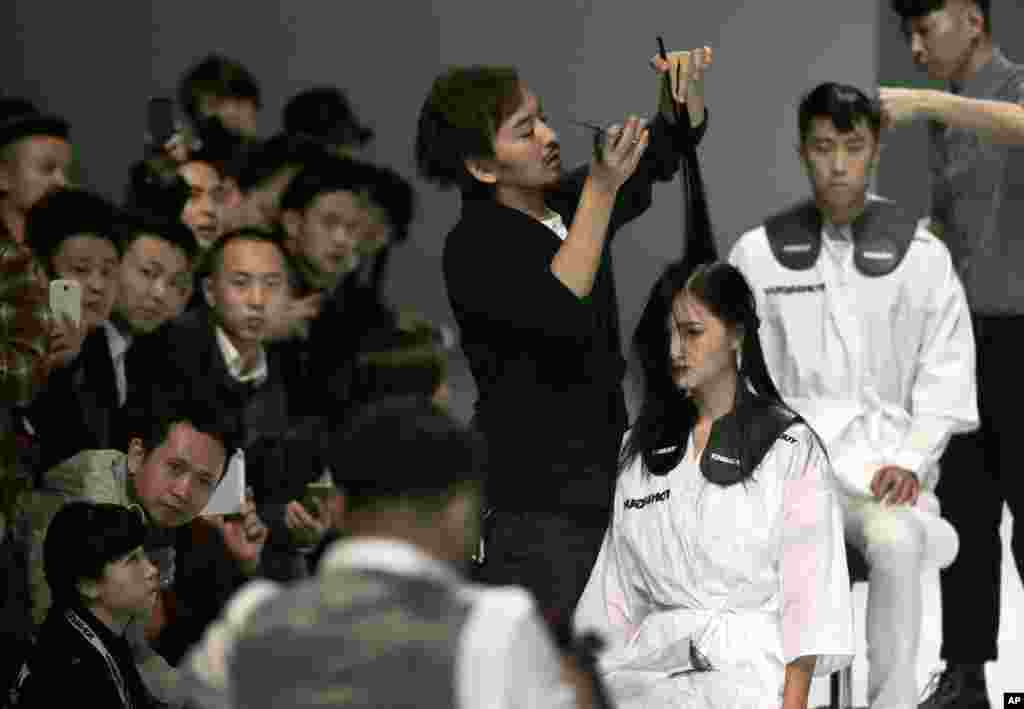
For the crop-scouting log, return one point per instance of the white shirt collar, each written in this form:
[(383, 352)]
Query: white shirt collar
[(385, 554), (118, 342), (233, 360), (553, 221), (839, 233)]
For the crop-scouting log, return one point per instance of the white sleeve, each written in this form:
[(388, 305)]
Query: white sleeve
[(944, 399), (817, 614), (506, 658), (610, 604)]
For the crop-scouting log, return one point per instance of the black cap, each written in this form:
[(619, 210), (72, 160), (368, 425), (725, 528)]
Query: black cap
[(19, 118), (324, 114)]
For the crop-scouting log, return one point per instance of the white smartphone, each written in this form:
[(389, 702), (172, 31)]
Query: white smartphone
[(66, 300)]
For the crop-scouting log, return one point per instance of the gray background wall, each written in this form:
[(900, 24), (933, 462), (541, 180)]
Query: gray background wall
[(586, 59)]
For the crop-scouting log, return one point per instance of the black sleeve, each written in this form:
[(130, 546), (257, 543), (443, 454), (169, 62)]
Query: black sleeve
[(660, 163), (67, 684), (206, 576), (56, 416)]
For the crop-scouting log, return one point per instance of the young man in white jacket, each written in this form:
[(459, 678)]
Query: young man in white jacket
[(867, 334)]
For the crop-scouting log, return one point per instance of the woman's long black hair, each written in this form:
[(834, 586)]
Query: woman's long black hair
[(667, 416)]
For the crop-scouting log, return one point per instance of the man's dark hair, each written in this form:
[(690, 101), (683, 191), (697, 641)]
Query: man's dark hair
[(381, 186), (324, 113), (262, 161), (81, 540), (395, 195), (909, 9), (65, 213), (19, 118), (325, 175), (405, 449), (155, 187), (218, 76), (214, 259), (459, 121), (138, 224), (844, 105), (155, 427), (408, 359), (218, 146)]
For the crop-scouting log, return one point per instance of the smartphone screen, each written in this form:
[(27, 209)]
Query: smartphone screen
[(66, 300)]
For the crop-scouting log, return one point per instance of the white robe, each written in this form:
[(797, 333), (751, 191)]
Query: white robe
[(755, 575), (881, 367)]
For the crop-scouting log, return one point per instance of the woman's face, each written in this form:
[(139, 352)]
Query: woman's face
[(702, 348)]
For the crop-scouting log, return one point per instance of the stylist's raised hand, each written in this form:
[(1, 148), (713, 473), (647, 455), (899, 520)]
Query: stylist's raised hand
[(620, 150), (686, 72)]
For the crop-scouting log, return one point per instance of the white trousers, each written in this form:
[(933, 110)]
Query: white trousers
[(892, 540)]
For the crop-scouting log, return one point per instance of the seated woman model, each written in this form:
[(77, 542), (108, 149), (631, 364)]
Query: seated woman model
[(722, 580)]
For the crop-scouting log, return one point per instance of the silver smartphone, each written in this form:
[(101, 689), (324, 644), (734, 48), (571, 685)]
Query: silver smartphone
[(66, 300)]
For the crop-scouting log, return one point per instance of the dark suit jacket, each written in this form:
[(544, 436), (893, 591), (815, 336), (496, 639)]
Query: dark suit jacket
[(78, 408), (184, 371)]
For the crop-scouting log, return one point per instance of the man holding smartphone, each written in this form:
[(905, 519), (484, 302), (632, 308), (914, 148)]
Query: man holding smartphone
[(74, 236), (529, 277)]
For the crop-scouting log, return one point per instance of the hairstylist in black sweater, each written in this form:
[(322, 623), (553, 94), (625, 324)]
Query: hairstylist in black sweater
[(529, 276)]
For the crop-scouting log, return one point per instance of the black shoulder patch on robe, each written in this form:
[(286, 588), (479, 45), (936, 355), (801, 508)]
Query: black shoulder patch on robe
[(758, 421), (882, 235)]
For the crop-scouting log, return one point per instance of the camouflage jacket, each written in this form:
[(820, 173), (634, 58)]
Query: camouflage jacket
[(25, 324)]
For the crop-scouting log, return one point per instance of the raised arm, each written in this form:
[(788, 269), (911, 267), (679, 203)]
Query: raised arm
[(999, 122), (577, 261)]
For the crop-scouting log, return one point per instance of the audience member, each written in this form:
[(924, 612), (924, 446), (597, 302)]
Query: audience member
[(35, 157), (172, 466), (262, 172), (221, 87), (101, 582), (323, 114), (156, 274), (204, 210), (339, 218), (74, 235)]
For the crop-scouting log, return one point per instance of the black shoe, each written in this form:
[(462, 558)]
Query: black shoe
[(953, 689)]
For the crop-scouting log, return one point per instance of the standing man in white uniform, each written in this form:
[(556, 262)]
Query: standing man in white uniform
[(866, 333)]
